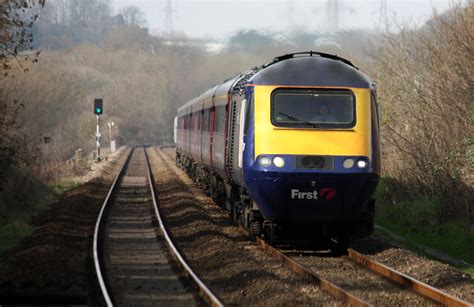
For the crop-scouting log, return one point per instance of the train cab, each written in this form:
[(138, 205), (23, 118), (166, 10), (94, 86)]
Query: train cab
[(312, 141)]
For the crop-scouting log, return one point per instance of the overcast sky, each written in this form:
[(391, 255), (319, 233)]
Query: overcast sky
[(219, 19)]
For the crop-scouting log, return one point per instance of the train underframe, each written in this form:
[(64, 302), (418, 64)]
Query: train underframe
[(236, 200)]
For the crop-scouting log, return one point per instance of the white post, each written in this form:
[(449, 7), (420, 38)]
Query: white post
[(97, 137), (112, 141)]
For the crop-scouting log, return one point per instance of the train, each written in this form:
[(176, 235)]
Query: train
[(291, 144)]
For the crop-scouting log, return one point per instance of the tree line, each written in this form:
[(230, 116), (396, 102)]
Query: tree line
[(426, 88), (65, 23)]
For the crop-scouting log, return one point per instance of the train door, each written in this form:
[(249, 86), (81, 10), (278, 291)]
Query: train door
[(234, 137), (211, 132), (201, 130), (197, 132), (206, 136)]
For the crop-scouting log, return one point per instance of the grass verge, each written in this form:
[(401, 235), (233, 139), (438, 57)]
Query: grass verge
[(23, 197), (67, 185), (418, 222), (12, 233)]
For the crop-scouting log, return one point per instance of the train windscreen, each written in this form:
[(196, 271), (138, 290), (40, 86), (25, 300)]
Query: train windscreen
[(313, 108)]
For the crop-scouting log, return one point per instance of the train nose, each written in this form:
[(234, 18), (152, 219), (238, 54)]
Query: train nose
[(304, 197), (307, 188)]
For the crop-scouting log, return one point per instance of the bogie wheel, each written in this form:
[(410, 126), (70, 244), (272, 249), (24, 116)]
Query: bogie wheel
[(342, 243), (255, 229), (235, 211), (270, 231)]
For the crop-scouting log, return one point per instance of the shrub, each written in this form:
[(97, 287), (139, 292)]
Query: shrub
[(426, 89)]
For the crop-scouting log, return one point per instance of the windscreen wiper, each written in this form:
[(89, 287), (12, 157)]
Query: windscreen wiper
[(299, 120)]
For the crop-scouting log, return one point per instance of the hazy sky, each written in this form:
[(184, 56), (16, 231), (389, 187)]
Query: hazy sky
[(198, 18)]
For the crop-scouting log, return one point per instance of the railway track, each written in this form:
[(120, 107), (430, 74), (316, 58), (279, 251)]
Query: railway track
[(358, 280), (135, 259)]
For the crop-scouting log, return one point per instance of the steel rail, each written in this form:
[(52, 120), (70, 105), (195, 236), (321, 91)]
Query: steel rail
[(402, 279), (323, 283), (205, 292), (379, 268), (98, 270)]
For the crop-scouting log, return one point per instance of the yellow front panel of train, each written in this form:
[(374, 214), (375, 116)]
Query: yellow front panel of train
[(353, 141)]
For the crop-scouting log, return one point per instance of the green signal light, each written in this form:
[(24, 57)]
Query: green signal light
[(98, 106)]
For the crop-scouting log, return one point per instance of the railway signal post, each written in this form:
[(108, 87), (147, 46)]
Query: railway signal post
[(98, 110)]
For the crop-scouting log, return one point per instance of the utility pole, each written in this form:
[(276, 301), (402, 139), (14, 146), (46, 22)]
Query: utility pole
[(291, 14), (168, 20), (383, 20), (332, 14)]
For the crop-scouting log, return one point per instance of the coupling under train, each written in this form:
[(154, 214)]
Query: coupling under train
[(294, 143)]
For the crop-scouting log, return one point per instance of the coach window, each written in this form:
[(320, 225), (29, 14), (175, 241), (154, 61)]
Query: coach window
[(219, 119), (205, 126), (208, 119), (216, 118), (313, 108), (196, 120), (222, 118)]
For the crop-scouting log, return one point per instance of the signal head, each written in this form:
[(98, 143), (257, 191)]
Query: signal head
[(98, 106)]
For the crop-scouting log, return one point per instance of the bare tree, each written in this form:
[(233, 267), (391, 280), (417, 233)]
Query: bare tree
[(426, 89), (133, 16), (65, 23), (16, 20), (15, 34)]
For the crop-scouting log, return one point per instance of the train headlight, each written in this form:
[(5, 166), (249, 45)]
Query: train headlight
[(278, 161), (348, 163), (265, 161), (362, 164)]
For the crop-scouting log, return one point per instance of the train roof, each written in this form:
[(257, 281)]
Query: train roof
[(311, 69), (296, 69)]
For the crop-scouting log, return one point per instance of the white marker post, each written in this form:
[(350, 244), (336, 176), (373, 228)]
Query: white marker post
[(97, 137), (111, 140)]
